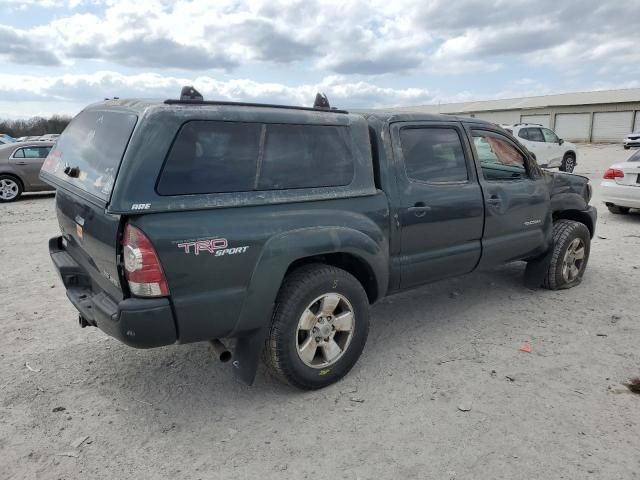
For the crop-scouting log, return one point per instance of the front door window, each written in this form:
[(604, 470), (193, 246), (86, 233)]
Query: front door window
[(499, 159)]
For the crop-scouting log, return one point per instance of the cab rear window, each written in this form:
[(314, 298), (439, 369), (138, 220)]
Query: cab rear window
[(218, 157), (94, 143)]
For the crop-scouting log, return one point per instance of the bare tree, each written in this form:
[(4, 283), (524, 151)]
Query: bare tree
[(34, 126)]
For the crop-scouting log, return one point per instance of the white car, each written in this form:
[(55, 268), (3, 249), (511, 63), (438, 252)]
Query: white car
[(621, 185), (549, 150), (632, 140), (4, 139)]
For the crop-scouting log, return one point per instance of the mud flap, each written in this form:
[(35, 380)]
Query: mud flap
[(246, 355), (537, 269)]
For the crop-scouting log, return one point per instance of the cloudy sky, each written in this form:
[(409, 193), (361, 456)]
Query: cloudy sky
[(58, 55)]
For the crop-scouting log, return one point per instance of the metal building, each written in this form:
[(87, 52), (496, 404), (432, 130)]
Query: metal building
[(601, 116)]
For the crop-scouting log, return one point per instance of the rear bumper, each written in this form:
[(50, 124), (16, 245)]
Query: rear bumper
[(137, 322), (620, 195)]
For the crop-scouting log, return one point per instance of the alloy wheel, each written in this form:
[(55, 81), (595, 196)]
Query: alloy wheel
[(573, 260), (8, 189), (325, 330)]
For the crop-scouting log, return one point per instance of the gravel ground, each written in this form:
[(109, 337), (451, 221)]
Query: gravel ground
[(75, 403)]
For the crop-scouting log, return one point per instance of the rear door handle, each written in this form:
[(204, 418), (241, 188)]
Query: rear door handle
[(494, 200), (21, 163), (419, 209)]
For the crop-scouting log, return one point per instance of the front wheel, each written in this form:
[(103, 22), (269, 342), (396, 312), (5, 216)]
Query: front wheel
[(319, 327), (568, 163), (571, 246)]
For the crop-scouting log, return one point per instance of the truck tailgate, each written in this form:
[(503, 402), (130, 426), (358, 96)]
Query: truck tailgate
[(91, 238)]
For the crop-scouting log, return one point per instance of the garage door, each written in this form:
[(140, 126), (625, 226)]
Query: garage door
[(543, 120), (499, 118), (611, 126), (573, 126)]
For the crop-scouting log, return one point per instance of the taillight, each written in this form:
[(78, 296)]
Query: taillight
[(142, 267), (612, 174)]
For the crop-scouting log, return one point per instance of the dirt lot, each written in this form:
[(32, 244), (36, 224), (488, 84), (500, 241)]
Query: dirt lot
[(557, 412)]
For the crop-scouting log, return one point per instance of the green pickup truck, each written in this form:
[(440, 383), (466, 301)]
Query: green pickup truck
[(276, 226)]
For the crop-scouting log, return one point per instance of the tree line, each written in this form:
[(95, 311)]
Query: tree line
[(34, 126)]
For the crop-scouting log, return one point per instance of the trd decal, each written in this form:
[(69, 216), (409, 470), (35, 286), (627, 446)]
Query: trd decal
[(215, 246)]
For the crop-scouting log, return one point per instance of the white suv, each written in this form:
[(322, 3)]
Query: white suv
[(632, 140), (549, 150)]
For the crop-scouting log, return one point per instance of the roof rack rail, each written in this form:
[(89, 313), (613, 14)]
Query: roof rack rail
[(190, 96)]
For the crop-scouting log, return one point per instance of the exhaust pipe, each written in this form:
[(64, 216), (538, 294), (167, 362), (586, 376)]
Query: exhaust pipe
[(222, 352)]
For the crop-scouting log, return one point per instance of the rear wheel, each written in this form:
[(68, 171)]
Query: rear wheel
[(319, 327), (10, 188), (568, 163), (615, 209), (571, 246)]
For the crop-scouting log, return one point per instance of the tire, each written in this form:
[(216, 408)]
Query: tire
[(10, 188), (569, 238), (290, 344), (616, 210), (568, 163)]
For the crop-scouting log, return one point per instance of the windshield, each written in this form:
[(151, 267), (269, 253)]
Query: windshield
[(93, 143), (4, 138)]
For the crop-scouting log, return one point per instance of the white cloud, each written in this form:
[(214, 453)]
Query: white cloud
[(75, 91), (353, 46)]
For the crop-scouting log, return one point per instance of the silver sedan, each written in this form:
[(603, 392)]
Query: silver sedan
[(20, 165)]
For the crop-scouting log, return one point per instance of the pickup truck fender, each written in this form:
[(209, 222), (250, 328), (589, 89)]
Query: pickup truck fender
[(567, 202), (278, 254), (570, 200)]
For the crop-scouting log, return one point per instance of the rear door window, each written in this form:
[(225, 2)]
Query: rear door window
[(94, 142), (32, 152), (433, 155), (219, 157), (635, 157), (532, 134)]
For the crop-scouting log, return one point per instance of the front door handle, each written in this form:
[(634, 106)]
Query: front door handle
[(419, 209)]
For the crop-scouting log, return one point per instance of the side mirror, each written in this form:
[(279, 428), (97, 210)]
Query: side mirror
[(560, 141)]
